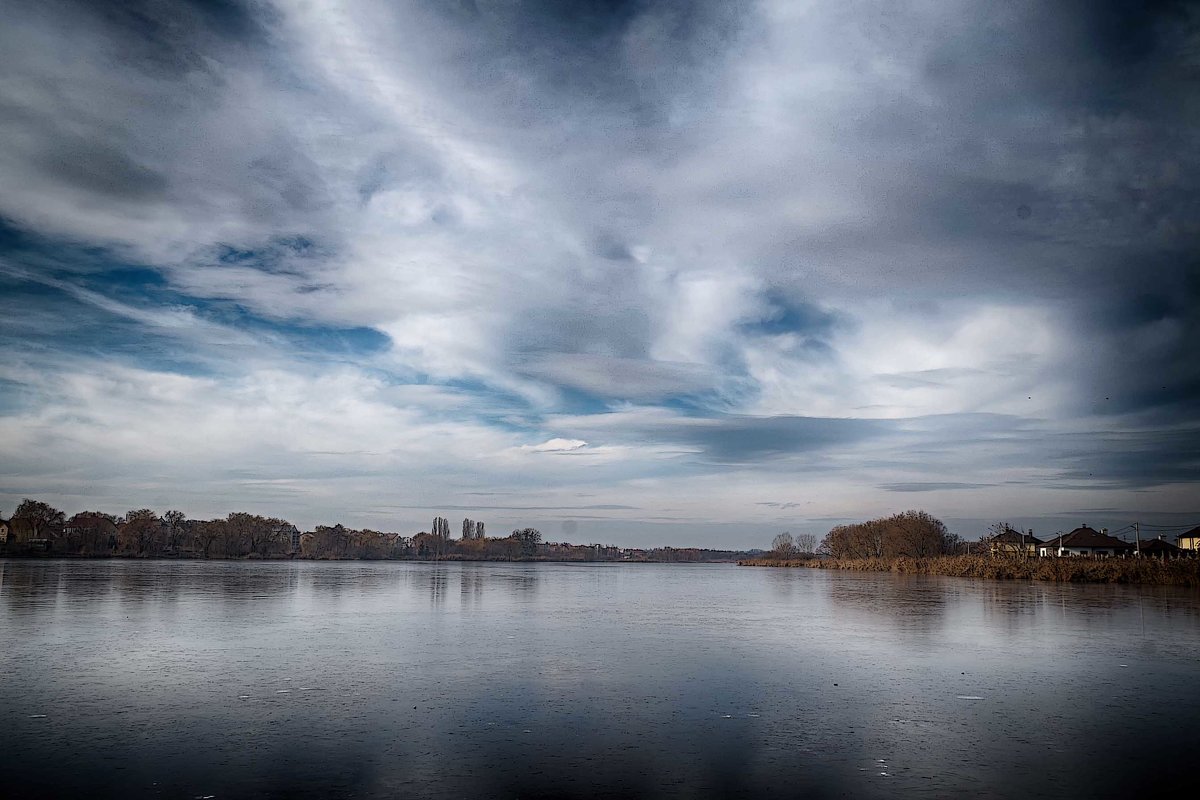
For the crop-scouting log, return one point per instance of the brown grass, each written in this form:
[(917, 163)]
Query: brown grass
[(1178, 572)]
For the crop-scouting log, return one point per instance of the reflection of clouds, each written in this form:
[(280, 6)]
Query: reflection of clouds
[(584, 680), (527, 738)]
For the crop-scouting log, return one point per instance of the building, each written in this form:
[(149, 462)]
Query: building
[(90, 532), (1189, 540), (1085, 541), (288, 535), (1159, 548), (1011, 542), (4, 528)]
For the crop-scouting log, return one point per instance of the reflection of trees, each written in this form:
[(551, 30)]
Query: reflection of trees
[(471, 587), (908, 601), (437, 580), (473, 582), (522, 579)]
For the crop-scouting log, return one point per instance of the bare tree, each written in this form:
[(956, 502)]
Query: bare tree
[(208, 533), (176, 522), (783, 545), (911, 533), (806, 543), (140, 532)]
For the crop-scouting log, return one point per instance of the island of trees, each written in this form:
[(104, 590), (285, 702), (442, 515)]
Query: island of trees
[(38, 529)]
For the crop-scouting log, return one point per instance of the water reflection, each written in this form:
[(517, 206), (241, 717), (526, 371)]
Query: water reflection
[(370, 680), (908, 603)]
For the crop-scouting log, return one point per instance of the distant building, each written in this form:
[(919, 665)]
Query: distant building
[(1085, 541), (90, 532), (20, 531), (1189, 540), (3, 531), (1013, 542), (290, 536), (1160, 548)]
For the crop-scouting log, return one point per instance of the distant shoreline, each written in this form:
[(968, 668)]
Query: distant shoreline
[(1147, 571), (51, 556)]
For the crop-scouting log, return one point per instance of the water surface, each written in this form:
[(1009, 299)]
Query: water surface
[(238, 679)]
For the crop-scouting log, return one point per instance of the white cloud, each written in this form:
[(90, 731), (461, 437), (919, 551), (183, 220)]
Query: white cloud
[(556, 446)]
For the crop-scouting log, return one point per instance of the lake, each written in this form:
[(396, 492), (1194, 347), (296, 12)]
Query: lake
[(400, 679)]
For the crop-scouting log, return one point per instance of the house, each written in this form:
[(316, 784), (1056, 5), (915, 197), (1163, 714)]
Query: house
[(1085, 541), (1189, 540), (1014, 543), (1159, 548), (289, 535), (90, 532), (20, 531)]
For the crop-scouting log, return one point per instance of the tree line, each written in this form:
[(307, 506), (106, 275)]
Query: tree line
[(36, 526), (909, 533)]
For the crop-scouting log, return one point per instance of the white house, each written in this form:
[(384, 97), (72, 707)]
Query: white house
[(1084, 541)]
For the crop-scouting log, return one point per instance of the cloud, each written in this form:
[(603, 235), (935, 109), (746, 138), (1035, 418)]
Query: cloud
[(318, 252), (556, 446), (931, 486), (621, 378)]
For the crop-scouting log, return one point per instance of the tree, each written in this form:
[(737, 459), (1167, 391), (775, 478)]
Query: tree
[(42, 520), (176, 522), (330, 541), (441, 528), (911, 533), (141, 531), (528, 540), (806, 543), (207, 533), (783, 545), (479, 534), (250, 534)]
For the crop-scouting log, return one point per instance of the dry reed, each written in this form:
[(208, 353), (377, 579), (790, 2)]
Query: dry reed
[(1173, 572)]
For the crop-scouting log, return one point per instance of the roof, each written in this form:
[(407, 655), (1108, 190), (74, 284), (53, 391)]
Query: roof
[(1009, 536), (1088, 537), (1161, 545), (1194, 532)]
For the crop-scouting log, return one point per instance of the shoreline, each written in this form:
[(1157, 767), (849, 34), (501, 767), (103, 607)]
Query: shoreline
[(1145, 571), (286, 559)]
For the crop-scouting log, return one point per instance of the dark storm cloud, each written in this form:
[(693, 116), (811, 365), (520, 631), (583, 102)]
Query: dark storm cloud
[(931, 486), (1130, 459), (580, 52), (621, 378), (142, 134), (747, 440), (102, 170)]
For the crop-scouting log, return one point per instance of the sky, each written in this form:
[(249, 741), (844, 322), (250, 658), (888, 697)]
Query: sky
[(633, 272)]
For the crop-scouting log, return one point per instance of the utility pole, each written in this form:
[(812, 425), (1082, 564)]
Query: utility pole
[(1137, 537)]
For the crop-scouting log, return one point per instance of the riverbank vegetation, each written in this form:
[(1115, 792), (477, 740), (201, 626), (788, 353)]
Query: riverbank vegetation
[(1166, 572), (37, 529), (915, 543)]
